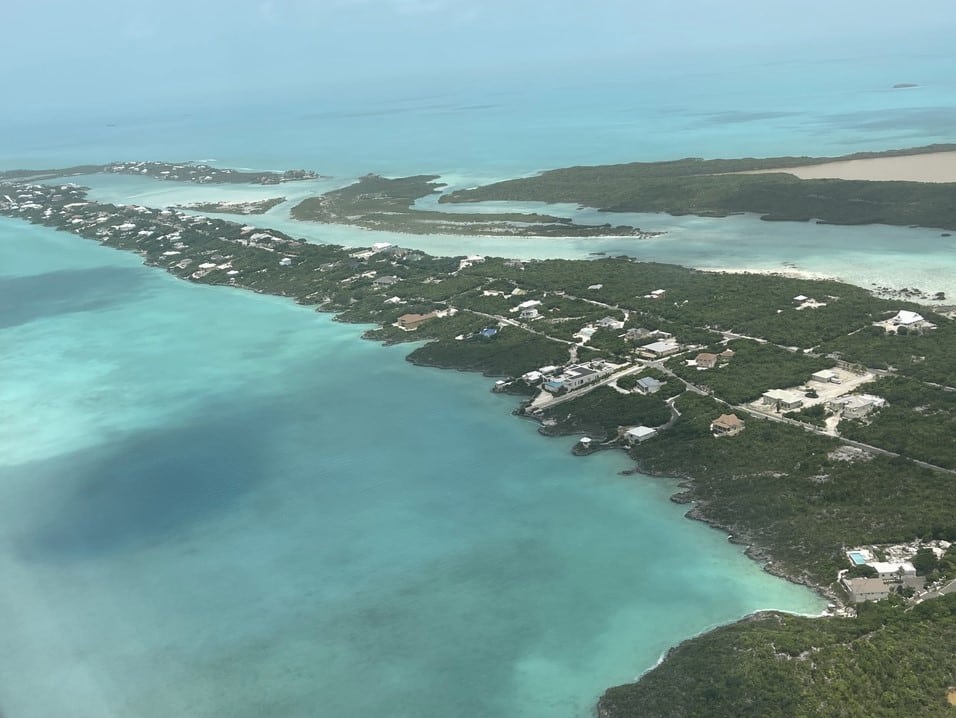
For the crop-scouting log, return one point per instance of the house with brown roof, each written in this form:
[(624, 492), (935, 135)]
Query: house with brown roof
[(706, 360), (727, 425), (411, 322)]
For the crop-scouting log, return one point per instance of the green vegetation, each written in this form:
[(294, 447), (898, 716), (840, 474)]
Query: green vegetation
[(754, 369), (599, 413), (888, 662), (815, 414), (382, 203), (782, 490), (928, 356), (919, 422), (712, 188), (795, 497)]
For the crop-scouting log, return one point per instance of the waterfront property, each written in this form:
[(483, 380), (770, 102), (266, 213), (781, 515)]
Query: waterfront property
[(573, 377), (411, 322), (866, 589), (639, 434)]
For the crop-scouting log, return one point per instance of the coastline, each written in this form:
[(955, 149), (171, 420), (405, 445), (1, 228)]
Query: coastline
[(752, 550)]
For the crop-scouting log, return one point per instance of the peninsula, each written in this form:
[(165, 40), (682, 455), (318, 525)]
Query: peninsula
[(809, 419), (769, 187), (259, 206), (381, 203)]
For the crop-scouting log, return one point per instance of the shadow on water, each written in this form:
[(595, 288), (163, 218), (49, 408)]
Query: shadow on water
[(142, 490), (24, 299)]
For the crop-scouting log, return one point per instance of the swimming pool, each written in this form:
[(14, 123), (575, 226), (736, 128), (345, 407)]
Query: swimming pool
[(857, 558)]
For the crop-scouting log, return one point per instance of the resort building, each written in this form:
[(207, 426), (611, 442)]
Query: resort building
[(893, 571), (726, 425), (573, 377), (866, 589)]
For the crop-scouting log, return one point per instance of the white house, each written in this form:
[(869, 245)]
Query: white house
[(639, 434), (660, 349), (857, 406), (827, 376), (610, 323), (577, 375), (782, 400), (906, 319), (893, 571)]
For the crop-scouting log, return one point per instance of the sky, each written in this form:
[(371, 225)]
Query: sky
[(59, 55)]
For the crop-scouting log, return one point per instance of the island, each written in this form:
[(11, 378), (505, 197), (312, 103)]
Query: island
[(811, 420), (382, 203)]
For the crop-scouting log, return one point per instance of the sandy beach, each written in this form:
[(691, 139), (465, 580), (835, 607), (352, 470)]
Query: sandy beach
[(932, 167)]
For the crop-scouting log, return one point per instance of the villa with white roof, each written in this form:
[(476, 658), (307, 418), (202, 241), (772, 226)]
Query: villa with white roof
[(905, 319)]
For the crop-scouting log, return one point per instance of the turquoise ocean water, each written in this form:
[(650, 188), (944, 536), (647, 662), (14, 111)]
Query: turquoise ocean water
[(217, 503)]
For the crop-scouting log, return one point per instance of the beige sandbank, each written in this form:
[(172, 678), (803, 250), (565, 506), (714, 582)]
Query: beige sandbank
[(930, 167), (788, 272)]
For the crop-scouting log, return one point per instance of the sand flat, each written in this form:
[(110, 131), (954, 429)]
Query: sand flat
[(930, 167)]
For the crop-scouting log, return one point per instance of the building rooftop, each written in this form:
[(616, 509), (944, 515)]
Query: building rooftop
[(906, 317), (727, 421), (782, 395), (660, 347)]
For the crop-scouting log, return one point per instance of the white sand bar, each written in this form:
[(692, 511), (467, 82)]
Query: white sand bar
[(930, 167)]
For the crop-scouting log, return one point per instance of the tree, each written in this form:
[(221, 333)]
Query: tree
[(925, 561)]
